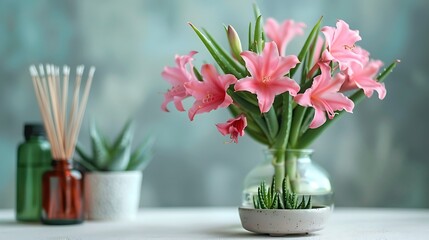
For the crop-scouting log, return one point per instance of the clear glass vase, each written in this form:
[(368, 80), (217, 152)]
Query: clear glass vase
[(307, 177)]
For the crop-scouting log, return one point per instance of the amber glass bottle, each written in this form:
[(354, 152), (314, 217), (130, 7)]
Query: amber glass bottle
[(62, 195)]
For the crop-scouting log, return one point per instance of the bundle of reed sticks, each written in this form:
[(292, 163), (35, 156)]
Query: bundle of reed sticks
[(52, 91)]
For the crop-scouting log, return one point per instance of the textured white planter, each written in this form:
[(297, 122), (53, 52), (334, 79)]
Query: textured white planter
[(278, 222), (112, 195)]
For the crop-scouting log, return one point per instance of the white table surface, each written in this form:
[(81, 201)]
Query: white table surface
[(223, 223)]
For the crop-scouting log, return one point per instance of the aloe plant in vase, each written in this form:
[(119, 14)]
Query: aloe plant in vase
[(260, 86), (114, 174)]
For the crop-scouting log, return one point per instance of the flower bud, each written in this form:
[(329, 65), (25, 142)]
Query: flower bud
[(234, 43)]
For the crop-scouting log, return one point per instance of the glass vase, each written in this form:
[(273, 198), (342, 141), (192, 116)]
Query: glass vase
[(306, 177), (62, 195)]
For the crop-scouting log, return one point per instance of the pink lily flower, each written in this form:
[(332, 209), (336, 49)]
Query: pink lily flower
[(340, 44), (268, 78), (234, 127), (283, 33), (177, 77), (365, 78), (323, 96), (211, 93)]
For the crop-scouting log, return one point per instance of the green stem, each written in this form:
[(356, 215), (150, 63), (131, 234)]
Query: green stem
[(290, 165), (283, 134), (279, 167), (298, 116)]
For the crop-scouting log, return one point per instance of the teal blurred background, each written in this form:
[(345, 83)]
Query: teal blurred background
[(376, 156)]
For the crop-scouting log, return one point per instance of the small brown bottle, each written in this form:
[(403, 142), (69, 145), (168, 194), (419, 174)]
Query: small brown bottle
[(62, 195)]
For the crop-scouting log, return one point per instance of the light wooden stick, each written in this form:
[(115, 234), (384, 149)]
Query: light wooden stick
[(42, 106), (75, 103), (81, 110), (52, 98), (43, 87), (66, 72)]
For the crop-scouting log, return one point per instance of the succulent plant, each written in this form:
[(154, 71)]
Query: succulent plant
[(268, 198), (116, 155)]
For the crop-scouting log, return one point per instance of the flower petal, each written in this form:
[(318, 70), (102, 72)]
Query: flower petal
[(319, 118)]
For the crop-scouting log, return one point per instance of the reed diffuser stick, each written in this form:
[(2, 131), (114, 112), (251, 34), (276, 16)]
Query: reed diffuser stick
[(62, 126)]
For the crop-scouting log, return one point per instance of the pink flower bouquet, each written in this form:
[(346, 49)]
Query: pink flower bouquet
[(260, 85)]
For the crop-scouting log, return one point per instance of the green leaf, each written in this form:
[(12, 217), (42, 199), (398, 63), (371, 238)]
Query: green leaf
[(279, 200), (142, 155), (82, 153), (273, 186), (302, 204), (120, 159), (257, 13), (250, 98), (310, 56), (275, 202), (308, 206), (304, 69), (313, 34), (258, 35), (256, 135), (264, 192), (293, 200), (308, 117), (271, 122), (89, 166), (197, 74), (261, 198), (239, 70), (124, 138), (223, 64), (100, 153), (255, 202), (286, 199), (250, 41), (249, 109)]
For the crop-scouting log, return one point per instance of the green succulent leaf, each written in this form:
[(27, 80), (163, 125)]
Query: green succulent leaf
[(82, 154), (120, 159), (87, 165), (142, 156), (124, 138), (261, 198), (308, 206), (268, 198), (255, 202), (100, 152), (302, 204)]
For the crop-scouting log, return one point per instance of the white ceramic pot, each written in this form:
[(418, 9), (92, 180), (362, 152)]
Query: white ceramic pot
[(278, 222), (112, 195)]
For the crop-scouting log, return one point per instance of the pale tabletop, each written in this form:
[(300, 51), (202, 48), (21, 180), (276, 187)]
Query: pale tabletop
[(223, 223)]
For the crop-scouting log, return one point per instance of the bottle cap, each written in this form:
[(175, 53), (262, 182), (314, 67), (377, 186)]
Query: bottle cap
[(33, 129)]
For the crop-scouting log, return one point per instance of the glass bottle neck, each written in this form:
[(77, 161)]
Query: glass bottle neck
[(35, 138), (62, 164)]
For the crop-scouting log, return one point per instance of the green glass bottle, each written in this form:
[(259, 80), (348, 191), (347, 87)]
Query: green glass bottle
[(34, 158)]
